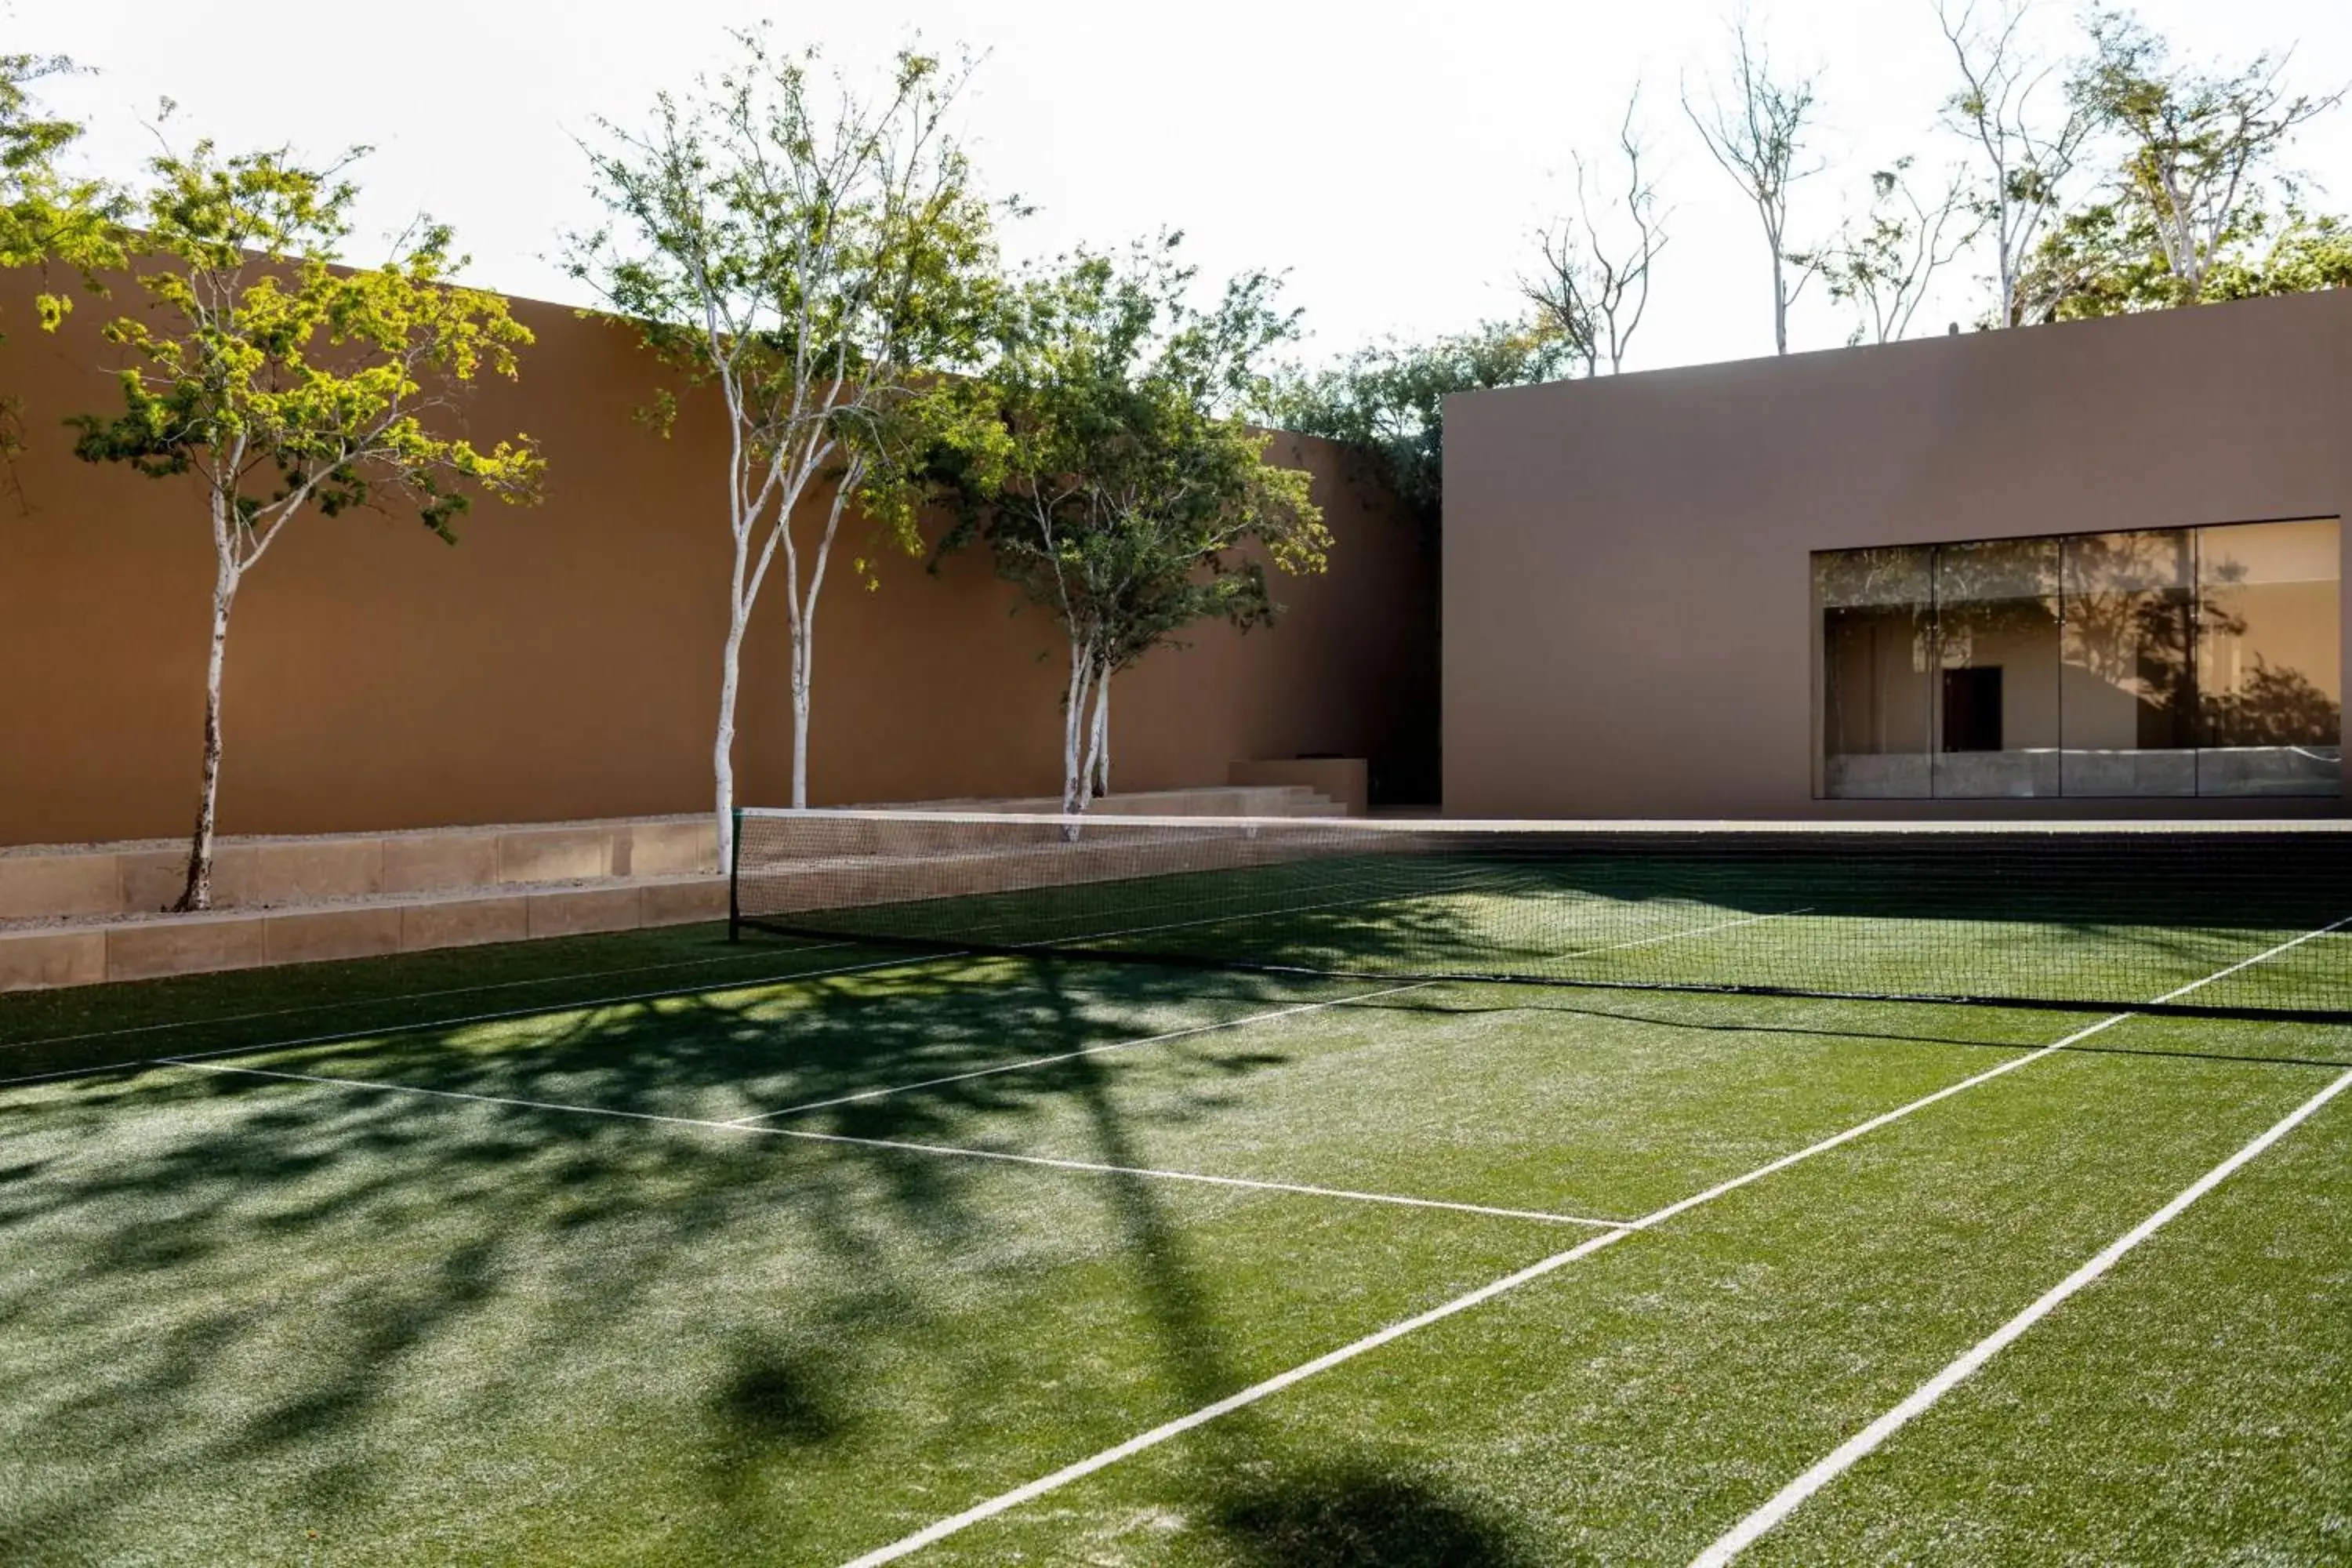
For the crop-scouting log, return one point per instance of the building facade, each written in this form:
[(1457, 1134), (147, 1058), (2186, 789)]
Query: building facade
[(2095, 569)]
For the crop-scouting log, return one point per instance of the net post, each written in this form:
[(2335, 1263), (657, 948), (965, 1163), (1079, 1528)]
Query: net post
[(735, 879)]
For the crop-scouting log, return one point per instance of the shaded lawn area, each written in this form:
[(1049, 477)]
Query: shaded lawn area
[(235, 1309)]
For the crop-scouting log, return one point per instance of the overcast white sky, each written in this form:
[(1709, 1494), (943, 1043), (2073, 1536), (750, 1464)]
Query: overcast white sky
[(1395, 159)]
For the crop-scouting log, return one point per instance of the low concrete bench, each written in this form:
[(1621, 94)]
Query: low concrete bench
[(44, 882), (82, 914)]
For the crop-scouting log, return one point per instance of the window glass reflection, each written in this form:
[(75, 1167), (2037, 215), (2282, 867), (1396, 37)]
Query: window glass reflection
[(2129, 697), (1877, 663), (2162, 662), (2270, 660), (1997, 732)]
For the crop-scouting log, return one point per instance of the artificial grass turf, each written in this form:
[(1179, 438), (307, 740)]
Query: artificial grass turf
[(1477, 1095), (1863, 924), (240, 1309), (93, 1026), (2191, 1407), (438, 1330), (1635, 1405)]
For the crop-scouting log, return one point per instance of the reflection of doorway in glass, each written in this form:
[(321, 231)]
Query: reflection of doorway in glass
[(1972, 709), (1996, 626)]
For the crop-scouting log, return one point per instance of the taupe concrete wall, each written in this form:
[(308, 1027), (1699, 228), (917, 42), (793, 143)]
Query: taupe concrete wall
[(1627, 572), (561, 661)]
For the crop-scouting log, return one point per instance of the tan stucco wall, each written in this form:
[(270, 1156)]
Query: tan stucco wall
[(561, 660), (1627, 592)]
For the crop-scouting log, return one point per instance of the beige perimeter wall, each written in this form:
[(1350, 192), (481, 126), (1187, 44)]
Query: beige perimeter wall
[(561, 661), (1627, 590)]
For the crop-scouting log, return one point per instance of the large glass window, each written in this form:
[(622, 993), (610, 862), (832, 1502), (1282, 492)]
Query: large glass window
[(2270, 661), (2127, 701), (1877, 619), (1997, 611), (2168, 662)]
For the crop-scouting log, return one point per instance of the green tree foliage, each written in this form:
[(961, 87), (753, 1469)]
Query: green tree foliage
[(47, 220), (816, 257), (1115, 479), (1389, 400), (1884, 266), (45, 216), (2024, 139), (2200, 207), (283, 384)]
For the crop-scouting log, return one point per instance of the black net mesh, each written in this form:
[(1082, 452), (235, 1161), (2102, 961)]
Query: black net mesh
[(2222, 920)]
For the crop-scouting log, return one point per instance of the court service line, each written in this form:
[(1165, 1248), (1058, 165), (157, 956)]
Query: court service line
[(1207, 920), (1737, 1538), (1207, 1028), (1028, 1062), (895, 1144), (978, 1512), (1695, 931)]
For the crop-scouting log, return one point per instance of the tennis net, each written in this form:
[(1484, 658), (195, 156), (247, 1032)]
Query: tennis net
[(2142, 917)]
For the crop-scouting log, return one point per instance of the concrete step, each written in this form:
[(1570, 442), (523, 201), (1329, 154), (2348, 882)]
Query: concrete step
[(1210, 800), (41, 882), (145, 947)]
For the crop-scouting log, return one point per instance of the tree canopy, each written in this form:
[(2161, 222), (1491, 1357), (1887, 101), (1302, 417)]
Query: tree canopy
[(1117, 480), (283, 382), (819, 256), (1389, 399), (2199, 204)]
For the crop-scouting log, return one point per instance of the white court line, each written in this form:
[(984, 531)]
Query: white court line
[(1027, 1062), (1737, 1538), (1678, 935), (934, 1533), (1207, 1028), (899, 1145), (940, 1530), (1207, 920), (398, 998)]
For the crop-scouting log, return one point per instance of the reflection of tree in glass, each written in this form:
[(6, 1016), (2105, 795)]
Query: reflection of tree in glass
[(2130, 615), (1891, 576), (1999, 591), (2272, 707)]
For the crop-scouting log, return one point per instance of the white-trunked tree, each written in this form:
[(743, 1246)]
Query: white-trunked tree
[(285, 383), (1116, 481), (817, 256)]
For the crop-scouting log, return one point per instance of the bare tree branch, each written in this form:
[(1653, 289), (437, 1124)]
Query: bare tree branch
[(1593, 290), (1758, 136)]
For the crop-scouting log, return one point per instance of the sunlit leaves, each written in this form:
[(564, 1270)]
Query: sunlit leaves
[(1116, 478), (287, 380)]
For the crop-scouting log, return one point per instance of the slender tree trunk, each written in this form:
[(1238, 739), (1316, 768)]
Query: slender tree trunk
[(722, 747), (802, 608), (1779, 303), (1076, 763), (802, 648), (198, 893), (1101, 765)]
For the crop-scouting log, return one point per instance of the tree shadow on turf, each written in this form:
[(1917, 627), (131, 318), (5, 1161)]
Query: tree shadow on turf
[(233, 1291), (1361, 1517)]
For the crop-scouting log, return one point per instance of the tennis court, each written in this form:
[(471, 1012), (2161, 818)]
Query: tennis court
[(987, 1212)]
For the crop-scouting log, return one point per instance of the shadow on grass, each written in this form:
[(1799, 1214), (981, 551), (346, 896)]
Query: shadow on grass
[(229, 1302), (1361, 1518)]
